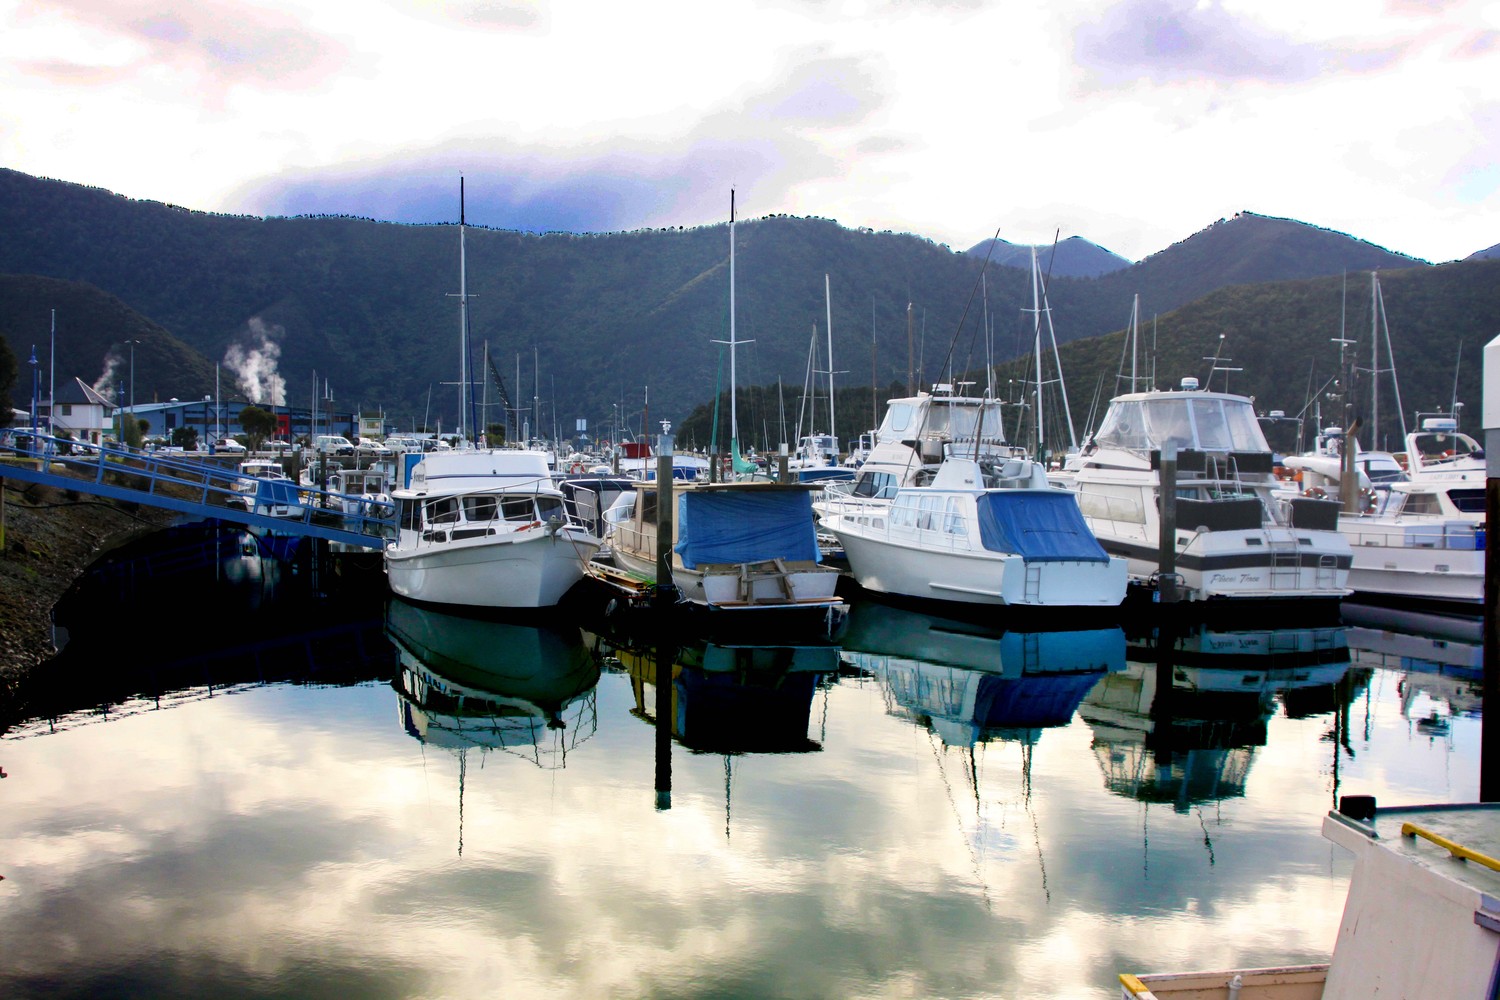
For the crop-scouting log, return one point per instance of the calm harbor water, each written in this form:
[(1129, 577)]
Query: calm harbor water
[(358, 797)]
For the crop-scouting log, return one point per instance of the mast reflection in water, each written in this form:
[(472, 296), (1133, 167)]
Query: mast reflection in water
[(929, 808)]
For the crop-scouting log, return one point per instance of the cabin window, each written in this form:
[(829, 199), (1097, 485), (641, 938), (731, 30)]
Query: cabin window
[(931, 507), (953, 524), (904, 511), (442, 511), (1421, 503), (1468, 501), (549, 509), (518, 508), (898, 417), (646, 500), (880, 485), (479, 508), (410, 520)]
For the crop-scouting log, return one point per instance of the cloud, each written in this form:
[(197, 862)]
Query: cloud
[(1181, 40), (219, 44), (482, 14)]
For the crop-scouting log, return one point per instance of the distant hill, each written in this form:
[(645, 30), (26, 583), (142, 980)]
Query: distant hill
[(579, 327), (1493, 251), (1074, 257), (93, 335)]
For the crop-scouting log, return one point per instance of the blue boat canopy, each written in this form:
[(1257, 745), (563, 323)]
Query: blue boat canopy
[(745, 526), (1041, 525)]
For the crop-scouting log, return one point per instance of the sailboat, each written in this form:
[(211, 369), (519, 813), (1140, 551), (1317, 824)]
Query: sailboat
[(746, 551), (484, 527)]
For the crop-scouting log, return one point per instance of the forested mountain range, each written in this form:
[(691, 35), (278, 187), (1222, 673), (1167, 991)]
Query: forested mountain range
[(593, 321), (1074, 257)]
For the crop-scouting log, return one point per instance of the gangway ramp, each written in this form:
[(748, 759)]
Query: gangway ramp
[(177, 482)]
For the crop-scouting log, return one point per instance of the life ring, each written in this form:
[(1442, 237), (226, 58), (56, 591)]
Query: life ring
[(576, 468), (1315, 493), (1367, 501)]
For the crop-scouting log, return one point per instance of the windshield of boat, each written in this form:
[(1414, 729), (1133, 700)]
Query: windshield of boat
[(1201, 423), (1437, 445), (962, 422)]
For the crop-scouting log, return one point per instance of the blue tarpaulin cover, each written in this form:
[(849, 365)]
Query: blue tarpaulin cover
[(1042, 526), (744, 526), (275, 492)]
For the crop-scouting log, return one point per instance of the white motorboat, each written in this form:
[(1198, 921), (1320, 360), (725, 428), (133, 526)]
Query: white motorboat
[(252, 473), (979, 534), (485, 529), (1419, 920), (1234, 538), (1425, 543), (743, 550)]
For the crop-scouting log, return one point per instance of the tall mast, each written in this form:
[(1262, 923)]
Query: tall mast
[(1036, 308), (1374, 362), (463, 322), (734, 416), (828, 306)]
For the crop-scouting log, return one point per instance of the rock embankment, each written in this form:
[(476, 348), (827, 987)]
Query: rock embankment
[(50, 537)]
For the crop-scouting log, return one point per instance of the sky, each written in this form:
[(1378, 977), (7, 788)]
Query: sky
[(1130, 123)]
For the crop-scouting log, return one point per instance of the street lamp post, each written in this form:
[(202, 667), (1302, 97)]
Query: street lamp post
[(36, 390)]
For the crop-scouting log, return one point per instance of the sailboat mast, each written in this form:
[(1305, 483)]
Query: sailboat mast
[(1036, 311), (463, 321), (1135, 336), (828, 307), (734, 417), (1374, 362)]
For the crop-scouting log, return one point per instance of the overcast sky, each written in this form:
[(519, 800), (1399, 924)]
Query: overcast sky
[(1132, 124)]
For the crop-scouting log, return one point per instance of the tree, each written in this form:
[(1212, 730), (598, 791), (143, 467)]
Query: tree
[(259, 424), (185, 438)]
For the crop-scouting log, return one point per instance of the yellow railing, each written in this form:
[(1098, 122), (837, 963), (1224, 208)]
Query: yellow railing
[(1456, 849)]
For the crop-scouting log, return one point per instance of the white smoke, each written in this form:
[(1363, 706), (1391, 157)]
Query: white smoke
[(253, 362), (105, 385)]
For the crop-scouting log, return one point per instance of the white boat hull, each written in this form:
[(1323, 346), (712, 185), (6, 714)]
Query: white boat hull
[(763, 586), (1424, 561), (886, 563), (524, 569), (1240, 564)]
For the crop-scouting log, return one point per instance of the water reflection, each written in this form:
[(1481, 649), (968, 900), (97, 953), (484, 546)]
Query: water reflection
[(1439, 660), (971, 684), (471, 683), (1182, 722)]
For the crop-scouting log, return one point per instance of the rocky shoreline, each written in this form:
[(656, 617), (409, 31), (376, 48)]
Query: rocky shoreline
[(50, 536)]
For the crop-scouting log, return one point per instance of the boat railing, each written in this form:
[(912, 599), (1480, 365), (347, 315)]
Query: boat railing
[(1456, 536), (482, 513)]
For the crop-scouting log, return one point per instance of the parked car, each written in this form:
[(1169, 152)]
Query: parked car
[(333, 444), (370, 448), (229, 444), (277, 446)]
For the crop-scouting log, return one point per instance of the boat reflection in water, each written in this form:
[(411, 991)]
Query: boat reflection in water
[(1439, 659), (733, 698), (971, 684), (468, 682), (1181, 723)]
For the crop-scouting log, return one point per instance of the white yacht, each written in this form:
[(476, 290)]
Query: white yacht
[(978, 534), (1234, 538), (485, 529), (1426, 542)]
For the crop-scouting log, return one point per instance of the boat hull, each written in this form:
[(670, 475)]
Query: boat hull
[(1439, 562), (530, 569), (916, 568), (1259, 563)]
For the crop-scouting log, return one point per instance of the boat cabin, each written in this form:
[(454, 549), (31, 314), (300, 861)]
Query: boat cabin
[(1187, 420)]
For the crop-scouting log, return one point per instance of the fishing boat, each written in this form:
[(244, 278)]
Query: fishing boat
[(978, 534), (1420, 919), (740, 550), (1234, 539), (485, 529)]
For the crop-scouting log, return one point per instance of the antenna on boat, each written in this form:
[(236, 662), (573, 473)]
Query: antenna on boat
[(734, 418)]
